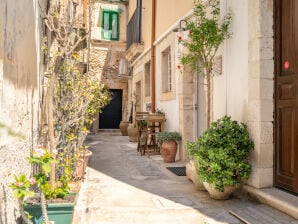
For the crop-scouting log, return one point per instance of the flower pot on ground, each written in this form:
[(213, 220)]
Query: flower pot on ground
[(191, 173), (222, 155), (168, 142), (82, 163), (60, 212), (219, 195), (123, 127), (132, 132)]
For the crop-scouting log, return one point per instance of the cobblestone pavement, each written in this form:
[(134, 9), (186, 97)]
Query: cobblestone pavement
[(122, 187)]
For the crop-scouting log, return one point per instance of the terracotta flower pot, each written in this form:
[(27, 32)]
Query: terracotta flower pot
[(132, 132), (215, 194), (123, 127), (82, 163), (169, 151), (191, 173)]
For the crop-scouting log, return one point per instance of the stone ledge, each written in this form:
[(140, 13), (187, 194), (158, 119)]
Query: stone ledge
[(275, 198)]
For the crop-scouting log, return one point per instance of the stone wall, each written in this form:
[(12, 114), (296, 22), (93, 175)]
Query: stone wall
[(104, 64), (260, 91), (19, 93)]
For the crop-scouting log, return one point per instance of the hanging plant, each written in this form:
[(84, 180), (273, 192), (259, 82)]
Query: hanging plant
[(207, 31)]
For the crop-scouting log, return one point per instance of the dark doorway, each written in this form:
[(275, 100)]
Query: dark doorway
[(112, 114), (286, 94)]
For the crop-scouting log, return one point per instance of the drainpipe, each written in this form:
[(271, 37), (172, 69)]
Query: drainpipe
[(85, 5), (153, 57)]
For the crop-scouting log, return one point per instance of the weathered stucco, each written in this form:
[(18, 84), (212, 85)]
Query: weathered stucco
[(19, 92)]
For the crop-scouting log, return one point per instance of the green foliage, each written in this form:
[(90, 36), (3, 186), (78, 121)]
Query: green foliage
[(22, 186), (206, 33), (222, 153), (168, 136), (159, 111)]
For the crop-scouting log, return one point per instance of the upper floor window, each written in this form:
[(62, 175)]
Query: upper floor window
[(147, 79), (110, 25), (166, 63)]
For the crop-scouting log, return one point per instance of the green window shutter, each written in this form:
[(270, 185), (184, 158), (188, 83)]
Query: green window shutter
[(110, 25)]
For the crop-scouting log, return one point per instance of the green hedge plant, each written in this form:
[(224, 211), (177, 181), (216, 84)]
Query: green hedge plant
[(222, 153)]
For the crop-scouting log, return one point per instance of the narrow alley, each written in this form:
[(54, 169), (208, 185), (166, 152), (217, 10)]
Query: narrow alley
[(123, 187)]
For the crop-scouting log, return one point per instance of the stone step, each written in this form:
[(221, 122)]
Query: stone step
[(262, 214), (275, 198)]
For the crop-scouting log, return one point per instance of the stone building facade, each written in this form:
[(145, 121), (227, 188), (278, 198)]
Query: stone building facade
[(106, 53), (21, 64)]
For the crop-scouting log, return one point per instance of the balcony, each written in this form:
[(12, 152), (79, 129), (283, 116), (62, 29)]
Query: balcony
[(134, 43)]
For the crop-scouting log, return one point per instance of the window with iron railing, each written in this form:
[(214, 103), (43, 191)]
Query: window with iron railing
[(134, 26)]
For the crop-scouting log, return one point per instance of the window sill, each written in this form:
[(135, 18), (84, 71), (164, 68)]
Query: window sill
[(168, 96)]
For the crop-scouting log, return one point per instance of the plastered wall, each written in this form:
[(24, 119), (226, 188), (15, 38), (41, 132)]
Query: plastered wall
[(19, 71)]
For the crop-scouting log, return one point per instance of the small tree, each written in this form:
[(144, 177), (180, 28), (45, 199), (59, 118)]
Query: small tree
[(206, 33)]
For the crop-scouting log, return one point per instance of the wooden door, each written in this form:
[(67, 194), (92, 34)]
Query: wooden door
[(286, 94), (112, 113)]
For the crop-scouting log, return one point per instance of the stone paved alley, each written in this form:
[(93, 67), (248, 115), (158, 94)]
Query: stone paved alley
[(122, 187)]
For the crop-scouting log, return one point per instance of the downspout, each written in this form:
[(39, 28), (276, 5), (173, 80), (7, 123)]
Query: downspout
[(153, 57)]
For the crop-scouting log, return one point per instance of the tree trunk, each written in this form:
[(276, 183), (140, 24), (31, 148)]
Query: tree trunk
[(208, 98), (51, 130)]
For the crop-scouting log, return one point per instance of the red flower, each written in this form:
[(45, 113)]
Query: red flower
[(179, 38), (179, 67)]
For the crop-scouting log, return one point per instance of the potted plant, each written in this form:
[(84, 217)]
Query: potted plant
[(36, 207), (191, 166), (132, 132), (168, 142), (222, 155)]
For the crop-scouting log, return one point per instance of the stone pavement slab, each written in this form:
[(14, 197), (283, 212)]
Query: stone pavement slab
[(122, 187)]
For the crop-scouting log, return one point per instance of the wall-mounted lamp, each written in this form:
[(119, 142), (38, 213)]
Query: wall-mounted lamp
[(181, 27)]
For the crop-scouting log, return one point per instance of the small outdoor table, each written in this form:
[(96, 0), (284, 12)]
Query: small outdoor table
[(148, 126)]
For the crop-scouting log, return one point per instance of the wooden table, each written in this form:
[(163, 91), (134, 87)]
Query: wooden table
[(148, 126)]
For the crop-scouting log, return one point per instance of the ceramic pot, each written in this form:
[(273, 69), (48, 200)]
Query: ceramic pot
[(169, 151), (123, 127), (132, 132), (215, 194), (191, 173)]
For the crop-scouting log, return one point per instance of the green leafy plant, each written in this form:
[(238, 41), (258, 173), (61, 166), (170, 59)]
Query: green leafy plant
[(23, 185), (222, 153), (206, 33), (159, 111), (168, 136)]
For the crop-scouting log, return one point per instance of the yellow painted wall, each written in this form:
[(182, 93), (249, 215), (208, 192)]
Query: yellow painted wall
[(131, 8), (146, 22), (167, 13)]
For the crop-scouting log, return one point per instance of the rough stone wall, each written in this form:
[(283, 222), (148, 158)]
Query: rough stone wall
[(19, 71), (104, 64), (260, 92)]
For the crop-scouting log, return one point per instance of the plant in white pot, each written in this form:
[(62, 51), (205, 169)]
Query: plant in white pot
[(222, 155)]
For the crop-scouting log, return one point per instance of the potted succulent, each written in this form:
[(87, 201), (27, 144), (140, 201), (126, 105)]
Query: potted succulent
[(168, 144), (222, 155)]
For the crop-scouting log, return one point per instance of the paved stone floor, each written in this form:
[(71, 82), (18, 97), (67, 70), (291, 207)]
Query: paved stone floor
[(122, 187)]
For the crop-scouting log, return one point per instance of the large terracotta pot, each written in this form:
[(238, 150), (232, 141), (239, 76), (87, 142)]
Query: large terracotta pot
[(132, 132), (123, 127), (191, 173), (169, 151), (82, 163), (215, 194)]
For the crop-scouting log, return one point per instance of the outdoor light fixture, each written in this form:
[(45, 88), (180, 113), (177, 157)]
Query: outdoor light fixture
[(181, 26)]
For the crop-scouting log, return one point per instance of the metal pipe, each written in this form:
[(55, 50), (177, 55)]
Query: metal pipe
[(153, 56)]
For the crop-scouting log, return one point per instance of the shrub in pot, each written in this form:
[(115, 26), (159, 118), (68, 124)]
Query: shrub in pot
[(168, 142), (191, 166), (222, 155)]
